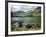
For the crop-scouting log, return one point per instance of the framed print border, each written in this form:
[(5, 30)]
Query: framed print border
[(6, 18)]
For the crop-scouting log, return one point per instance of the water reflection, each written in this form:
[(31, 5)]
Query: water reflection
[(25, 23)]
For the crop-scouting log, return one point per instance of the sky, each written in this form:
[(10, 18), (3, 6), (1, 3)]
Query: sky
[(24, 8)]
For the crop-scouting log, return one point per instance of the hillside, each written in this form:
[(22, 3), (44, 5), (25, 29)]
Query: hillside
[(36, 12)]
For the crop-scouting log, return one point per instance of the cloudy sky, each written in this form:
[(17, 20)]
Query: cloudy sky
[(24, 8)]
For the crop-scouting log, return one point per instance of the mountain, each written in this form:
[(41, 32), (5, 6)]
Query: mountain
[(17, 12), (35, 12)]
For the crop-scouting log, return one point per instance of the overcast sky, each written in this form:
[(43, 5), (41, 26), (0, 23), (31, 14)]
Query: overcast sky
[(22, 8)]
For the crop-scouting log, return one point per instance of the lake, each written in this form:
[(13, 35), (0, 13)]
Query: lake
[(26, 19), (35, 22)]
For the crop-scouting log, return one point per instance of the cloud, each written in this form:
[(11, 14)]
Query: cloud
[(22, 8)]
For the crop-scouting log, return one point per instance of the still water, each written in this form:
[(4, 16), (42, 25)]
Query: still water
[(33, 22), (27, 19)]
